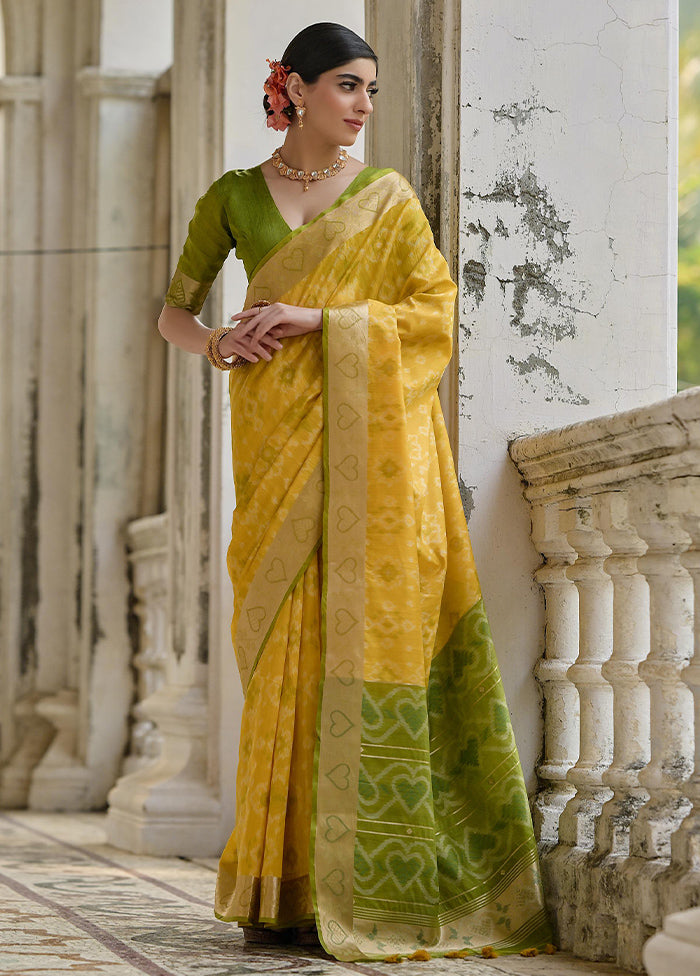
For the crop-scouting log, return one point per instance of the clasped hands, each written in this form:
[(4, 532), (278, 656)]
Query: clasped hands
[(258, 331)]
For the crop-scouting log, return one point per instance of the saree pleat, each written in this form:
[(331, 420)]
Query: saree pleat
[(264, 870), (379, 789)]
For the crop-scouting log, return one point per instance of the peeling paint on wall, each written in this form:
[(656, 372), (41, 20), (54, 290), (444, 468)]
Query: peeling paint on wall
[(549, 379), (467, 495)]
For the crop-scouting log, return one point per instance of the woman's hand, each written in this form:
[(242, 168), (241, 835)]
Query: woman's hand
[(260, 329)]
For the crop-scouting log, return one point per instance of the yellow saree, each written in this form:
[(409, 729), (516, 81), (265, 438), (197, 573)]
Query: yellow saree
[(379, 789)]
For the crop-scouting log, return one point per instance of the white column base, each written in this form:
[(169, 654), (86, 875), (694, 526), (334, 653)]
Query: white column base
[(675, 951), (168, 808), (60, 781)]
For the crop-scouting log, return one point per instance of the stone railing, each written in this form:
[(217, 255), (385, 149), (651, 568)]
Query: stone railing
[(615, 505)]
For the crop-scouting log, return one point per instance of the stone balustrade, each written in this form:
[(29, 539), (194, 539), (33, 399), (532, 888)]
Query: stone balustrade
[(615, 505)]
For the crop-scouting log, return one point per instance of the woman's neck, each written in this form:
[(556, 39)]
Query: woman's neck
[(307, 153)]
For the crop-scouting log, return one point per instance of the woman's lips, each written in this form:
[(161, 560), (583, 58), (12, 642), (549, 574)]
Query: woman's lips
[(356, 125)]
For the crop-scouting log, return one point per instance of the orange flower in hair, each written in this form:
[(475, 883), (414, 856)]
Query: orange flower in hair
[(277, 97)]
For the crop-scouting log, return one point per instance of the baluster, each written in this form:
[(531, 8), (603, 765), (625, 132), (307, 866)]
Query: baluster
[(685, 842), (561, 702), (671, 702), (578, 821), (148, 557), (630, 693)]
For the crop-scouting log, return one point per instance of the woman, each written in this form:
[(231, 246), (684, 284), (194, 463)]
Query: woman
[(379, 793)]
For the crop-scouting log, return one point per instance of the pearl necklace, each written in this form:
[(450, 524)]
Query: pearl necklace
[(309, 176)]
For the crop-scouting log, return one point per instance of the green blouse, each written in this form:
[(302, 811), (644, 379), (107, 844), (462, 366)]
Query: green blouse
[(237, 211)]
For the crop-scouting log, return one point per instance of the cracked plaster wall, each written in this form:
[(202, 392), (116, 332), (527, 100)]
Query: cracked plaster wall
[(567, 263)]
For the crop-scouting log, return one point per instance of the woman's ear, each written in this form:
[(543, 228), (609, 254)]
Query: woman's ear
[(295, 87)]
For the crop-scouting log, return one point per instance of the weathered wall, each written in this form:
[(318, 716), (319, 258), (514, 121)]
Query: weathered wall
[(567, 265)]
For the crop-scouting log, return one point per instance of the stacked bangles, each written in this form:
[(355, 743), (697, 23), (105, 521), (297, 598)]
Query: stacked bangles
[(213, 354)]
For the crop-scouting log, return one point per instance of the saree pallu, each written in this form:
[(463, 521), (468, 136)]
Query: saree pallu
[(379, 786)]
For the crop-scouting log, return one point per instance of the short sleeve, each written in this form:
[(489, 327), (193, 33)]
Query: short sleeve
[(209, 240)]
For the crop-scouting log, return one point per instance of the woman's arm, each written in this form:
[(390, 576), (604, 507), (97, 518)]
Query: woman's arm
[(184, 329)]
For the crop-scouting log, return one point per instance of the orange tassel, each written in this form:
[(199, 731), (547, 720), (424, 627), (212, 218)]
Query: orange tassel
[(488, 952), (530, 952), (457, 954), (395, 958), (550, 949), (420, 955)]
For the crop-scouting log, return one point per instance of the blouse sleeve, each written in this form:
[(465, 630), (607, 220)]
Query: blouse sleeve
[(208, 243)]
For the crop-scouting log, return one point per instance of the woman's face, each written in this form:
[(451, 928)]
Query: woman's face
[(338, 98)]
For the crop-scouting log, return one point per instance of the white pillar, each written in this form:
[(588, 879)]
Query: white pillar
[(675, 951), (172, 806), (25, 735)]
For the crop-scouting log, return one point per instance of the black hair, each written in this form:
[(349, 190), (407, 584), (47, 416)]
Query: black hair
[(318, 48)]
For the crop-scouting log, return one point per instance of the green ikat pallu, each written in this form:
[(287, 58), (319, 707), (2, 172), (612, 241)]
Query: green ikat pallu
[(444, 839)]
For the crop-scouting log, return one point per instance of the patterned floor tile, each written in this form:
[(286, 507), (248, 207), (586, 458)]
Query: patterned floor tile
[(73, 904)]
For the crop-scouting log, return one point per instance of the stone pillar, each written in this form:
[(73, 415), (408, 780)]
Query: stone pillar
[(113, 299), (416, 126), (171, 806), (25, 735), (567, 256), (675, 951)]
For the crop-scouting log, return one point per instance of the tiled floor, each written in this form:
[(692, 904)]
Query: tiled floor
[(69, 903)]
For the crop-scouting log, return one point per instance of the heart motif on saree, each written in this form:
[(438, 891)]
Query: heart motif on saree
[(332, 228), (346, 416), (276, 573), (411, 792), (339, 776), (345, 672), (303, 527), (347, 318), (256, 615), (335, 933), (404, 870), (335, 829), (346, 518), (412, 718), (344, 622), (370, 202), (294, 261), (348, 467), (340, 724), (348, 365), (347, 570), (335, 881)]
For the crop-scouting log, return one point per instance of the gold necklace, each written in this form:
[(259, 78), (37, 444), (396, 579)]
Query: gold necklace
[(309, 176)]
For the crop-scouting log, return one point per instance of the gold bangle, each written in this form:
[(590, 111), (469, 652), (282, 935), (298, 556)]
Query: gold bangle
[(215, 357)]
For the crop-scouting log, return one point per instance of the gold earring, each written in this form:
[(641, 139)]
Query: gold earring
[(301, 112)]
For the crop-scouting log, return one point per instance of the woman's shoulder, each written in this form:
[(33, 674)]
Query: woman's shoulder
[(234, 178)]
